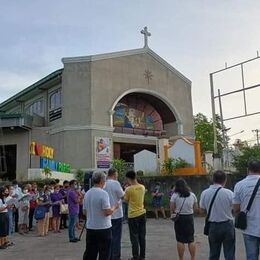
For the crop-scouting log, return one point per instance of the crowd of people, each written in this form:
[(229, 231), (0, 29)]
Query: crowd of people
[(50, 208), (104, 204)]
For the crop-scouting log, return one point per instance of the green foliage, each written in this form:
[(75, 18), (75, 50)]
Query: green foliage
[(204, 133), (119, 165), (79, 176), (240, 162), (181, 163), (171, 163), (47, 171), (169, 166)]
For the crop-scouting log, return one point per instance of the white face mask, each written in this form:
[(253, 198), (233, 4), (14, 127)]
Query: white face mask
[(104, 186), (25, 191)]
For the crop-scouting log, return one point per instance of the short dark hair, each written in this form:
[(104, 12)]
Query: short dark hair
[(111, 172), (72, 182), (219, 177), (131, 175), (57, 181), (14, 182), (254, 166), (65, 182)]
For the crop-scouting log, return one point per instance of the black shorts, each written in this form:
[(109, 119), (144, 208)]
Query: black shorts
[(4, 224), (184, 229)]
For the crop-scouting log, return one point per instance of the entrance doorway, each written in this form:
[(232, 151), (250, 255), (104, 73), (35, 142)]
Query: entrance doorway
[(8, 162), (126, 151)]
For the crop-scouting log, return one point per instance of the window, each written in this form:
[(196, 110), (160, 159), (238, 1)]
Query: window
[(36, 108), (55, 100)]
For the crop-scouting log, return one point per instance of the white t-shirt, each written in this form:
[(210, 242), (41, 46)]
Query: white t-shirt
[(188, 203), (222, 206), (115, 193), (95, 201), (242, 194), (3, 205)]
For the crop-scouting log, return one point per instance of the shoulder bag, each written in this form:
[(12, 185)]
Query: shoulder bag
[(241, 218), (176, 216), (206, 227)]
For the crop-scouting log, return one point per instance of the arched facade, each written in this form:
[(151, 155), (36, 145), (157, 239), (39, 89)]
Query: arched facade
[(149, 113)]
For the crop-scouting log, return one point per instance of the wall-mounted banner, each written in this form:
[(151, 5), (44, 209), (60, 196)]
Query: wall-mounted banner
[(103, 152), (41, 150), (55, 166)]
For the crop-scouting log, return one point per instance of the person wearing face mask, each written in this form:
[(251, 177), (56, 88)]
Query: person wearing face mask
[(10, 210), (64, 192), (24, 208), (33, 203), (56, 199), (17, 194), (4, 220), (73, 205), (157, 196)]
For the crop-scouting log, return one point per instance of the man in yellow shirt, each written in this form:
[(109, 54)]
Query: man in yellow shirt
[(134, 196)]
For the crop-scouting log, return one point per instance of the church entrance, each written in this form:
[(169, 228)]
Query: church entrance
[(126, 151), (8, 162)]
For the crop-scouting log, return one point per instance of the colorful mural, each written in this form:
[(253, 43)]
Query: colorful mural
[(137, 115)]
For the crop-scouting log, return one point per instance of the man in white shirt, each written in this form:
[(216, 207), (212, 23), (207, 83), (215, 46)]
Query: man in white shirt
[(97, 208), (221, 227), (242, 194), (115, 193)]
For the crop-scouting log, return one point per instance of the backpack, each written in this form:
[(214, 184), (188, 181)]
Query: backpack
[(39, 212)]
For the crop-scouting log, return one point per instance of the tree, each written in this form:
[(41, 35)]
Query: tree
[(119, 166), (204, 133), (241, 160)]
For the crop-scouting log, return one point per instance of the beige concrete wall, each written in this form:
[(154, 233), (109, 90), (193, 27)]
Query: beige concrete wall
[(110, 78), (20, 138), (76, 94)]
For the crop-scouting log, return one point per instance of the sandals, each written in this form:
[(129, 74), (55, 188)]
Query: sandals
[(3, 246)]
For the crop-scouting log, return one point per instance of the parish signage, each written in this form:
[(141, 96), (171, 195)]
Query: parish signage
[(41, 150)]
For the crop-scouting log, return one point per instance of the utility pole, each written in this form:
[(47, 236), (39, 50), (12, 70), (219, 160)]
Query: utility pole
[(257, 135)]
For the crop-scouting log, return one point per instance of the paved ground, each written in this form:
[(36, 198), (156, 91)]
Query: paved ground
[(161, 244)]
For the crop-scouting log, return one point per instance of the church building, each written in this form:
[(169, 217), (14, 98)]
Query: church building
[(94, 109)]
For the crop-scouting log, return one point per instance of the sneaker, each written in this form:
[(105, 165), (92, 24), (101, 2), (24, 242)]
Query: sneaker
[(3, 247), (75, 240)]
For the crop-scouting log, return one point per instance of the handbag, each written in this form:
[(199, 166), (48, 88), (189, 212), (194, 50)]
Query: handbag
[(64, 209), (39, 212), (241, 218), (175, 216), (206, 226)]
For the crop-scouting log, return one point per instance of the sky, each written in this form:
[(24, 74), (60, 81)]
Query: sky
[(196, 37)]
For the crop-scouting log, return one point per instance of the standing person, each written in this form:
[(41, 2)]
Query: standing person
[(242, 193), (134, 196), (115, 193), (73, 204), (56, 199), (24, 207), (11, 209), (157, 196), (97, 208), (17, 192), (33, 203), (64, 216), (184, 202), (221, 227), (4, 220), (44, 202)]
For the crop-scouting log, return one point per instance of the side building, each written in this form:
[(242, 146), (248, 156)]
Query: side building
[(94, 109)]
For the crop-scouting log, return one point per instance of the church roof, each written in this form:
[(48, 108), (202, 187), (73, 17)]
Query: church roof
[(145, 50), (55, 77)]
